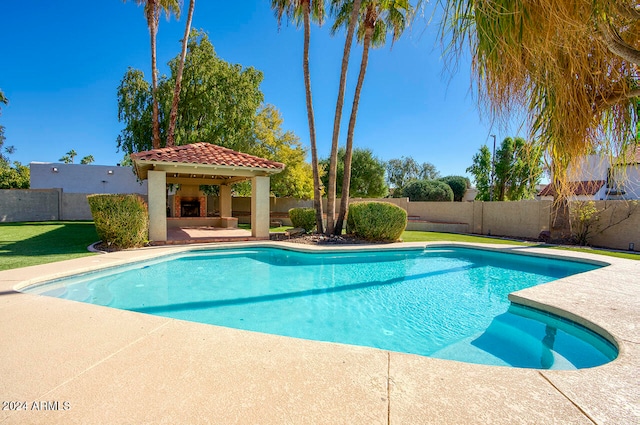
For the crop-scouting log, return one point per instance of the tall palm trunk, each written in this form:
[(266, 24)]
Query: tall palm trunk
[(176, 93), (346, 180), (317, 194), (153, 31), (333, 158)]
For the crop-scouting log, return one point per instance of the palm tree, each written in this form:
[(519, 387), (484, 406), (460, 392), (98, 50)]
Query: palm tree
[(376, 19), (333, 158), (152, 11), (571, 66), (308, 9), (173, 116), (69, 156), (9, 149), (87, 160)]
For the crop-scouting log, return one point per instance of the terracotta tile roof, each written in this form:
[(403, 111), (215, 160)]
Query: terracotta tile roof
[(630, 156), (206, 153), (589, 187)]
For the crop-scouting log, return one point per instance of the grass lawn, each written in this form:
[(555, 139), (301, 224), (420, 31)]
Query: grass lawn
[(618, 254), (28, 244), (415, 236)]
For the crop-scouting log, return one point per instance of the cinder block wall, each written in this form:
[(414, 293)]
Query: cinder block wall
[(29, 205), (525, 219), (618, 226), (442, 212), (75, 207)]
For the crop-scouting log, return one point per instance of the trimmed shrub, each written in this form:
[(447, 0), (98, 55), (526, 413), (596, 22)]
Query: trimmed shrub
[(458, 185), (376, 221), (396, 193), (428, 190), (121, 221), (303, 217)]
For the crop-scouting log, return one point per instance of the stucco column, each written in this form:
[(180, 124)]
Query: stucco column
[(225, 200), (157, 193), (260, 207)]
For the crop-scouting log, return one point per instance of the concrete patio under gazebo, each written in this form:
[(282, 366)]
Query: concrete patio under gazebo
[(202, 164)]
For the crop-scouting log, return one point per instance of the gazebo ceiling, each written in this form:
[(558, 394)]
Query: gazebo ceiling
[(202, 164)]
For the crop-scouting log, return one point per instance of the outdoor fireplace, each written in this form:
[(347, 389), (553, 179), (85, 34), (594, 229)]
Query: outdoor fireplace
[(190, 206)]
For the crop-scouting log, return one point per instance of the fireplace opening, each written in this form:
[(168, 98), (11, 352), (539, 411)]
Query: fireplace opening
[(189, 208)]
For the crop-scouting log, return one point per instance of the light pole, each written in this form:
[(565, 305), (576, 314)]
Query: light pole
[(493, 164)]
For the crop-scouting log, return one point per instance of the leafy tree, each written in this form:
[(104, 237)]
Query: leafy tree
[(428, 171), (152, 11), (218, 102), (173, 115), (333, 157), (367, 174), (309, 9), (87, 160), (517, 170), (481, 172), (458, 185), (275, 144), (572, 66), (14, 176), (376, 18), (405, 169), (69, 157), (8, 150), (134, 110), (4, 150), (428, 190)]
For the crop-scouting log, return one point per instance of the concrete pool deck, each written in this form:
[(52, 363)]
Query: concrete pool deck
[(68, 362)]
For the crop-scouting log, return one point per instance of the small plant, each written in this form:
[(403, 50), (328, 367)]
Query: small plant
[(376, 221), (304, 218), (121, 221), (584, 221), (428, 190)]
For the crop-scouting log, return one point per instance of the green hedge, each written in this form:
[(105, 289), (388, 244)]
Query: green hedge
[(121, 221), (428, 190), (376, 221), (304, 218), (458, 185)]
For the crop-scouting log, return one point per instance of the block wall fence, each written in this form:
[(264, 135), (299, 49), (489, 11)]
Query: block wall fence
[(619, 220)]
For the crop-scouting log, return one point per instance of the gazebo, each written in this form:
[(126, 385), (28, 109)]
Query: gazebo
[(195, 165)]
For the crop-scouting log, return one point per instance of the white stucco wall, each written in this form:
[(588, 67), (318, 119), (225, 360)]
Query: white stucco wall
[(593, 167), (597, 167), (628, 180), (78, 178), (632, 185)]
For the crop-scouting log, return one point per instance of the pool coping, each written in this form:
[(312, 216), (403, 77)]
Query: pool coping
[(104, 363)]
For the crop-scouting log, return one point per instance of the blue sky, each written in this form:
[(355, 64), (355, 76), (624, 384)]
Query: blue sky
[(61, 63)]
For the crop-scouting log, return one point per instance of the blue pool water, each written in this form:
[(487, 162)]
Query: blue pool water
[(447, 302)]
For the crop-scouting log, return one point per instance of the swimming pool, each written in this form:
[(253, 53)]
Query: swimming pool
[(440, 302)]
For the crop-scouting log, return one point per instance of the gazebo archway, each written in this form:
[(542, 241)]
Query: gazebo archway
[(200, 164)]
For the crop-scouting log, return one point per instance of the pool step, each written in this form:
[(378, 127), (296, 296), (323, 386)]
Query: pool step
[(508, 341)]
